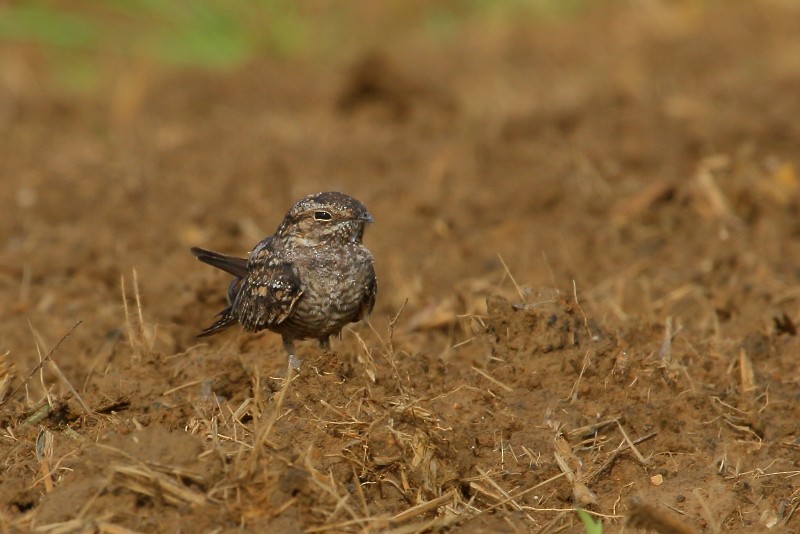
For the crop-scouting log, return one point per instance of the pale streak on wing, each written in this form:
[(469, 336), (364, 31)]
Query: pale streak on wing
[(269, 292)]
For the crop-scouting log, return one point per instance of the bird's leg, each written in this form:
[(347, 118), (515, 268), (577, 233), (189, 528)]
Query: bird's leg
[(288, 346), (325, 343)]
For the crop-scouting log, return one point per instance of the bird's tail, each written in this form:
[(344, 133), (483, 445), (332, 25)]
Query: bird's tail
[(230, 264), (226, 320)]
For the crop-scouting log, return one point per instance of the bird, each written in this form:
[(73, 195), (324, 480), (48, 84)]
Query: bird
[(308, 280)]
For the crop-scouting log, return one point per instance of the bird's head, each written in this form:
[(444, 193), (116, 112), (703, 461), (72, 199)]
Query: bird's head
[(328, 217)]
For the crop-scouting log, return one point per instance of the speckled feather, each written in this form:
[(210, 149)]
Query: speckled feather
[(308, 280), (269, 291)]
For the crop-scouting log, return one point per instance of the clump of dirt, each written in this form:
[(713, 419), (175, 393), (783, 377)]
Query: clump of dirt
[(139, 472), (376, 82)]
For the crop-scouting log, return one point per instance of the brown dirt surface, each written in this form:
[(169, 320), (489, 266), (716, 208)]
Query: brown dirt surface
[(588, 249)]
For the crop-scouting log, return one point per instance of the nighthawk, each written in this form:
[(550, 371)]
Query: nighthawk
[(308, 280)]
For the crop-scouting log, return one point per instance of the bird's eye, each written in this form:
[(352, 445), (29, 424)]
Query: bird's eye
[(322, 216)]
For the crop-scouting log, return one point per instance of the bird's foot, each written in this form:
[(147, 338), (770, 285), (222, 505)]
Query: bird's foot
[(288, 346), (295, 362), (325, 344)]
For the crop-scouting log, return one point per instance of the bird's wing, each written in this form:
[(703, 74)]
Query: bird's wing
[(226, 319), (268, 293), (368, 300), (230, 264)]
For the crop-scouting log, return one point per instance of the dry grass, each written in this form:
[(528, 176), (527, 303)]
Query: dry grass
[(375, 451), (654, 180)]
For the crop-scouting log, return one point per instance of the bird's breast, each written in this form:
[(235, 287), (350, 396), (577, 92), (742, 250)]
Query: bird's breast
[(334, 285)]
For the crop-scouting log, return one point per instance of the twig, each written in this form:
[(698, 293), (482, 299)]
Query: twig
[(747, 376), (423, 508), (493, 380), (592, 429), (44, 452), (127, 314), (791, 513), (709, 514), (341, 500), (72, 389), (390, 355), (503, 492), (508, 272), (666, 346), (61, 375), (552, 274), (573, 396), (263, 433), (523, 492), (41, 363), (392, 325), (41, 367), (367, 361), (580, 308), (142, 479), (182, 386), (139, 309), (641, 458), (613, 456), (360, 492)]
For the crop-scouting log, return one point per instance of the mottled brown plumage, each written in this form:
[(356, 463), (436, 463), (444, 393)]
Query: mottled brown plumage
[(308, 280)]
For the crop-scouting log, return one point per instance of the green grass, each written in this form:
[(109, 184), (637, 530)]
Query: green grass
[(589, 524), (78, 37)]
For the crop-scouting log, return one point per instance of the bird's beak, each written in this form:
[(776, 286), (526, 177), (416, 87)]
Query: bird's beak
[(366, 217)]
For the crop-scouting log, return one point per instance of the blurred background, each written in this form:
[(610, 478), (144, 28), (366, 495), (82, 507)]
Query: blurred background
[(473, 130), (80, 46)]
